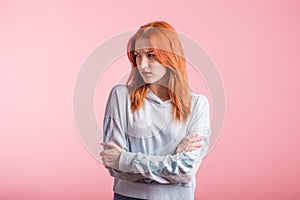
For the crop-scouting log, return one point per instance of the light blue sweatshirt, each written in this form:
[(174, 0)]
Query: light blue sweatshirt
[(149, 167)]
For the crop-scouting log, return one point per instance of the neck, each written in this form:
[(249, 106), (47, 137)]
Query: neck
[(160, 91)]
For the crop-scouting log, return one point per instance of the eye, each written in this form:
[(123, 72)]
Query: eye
[(151, 55), (136, 55)]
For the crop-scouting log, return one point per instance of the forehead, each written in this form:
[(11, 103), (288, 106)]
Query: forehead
[(143, 45)]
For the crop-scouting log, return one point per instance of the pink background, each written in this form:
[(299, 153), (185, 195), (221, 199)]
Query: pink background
[(255, 45)]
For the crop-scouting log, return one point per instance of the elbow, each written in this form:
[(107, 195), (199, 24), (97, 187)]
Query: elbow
[(181, 178), (182, 174), (186, 178), (111, 172)]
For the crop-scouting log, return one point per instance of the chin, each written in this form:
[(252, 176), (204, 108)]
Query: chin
[(149, 81)]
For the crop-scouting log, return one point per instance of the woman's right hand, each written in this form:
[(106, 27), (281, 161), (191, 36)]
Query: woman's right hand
[(189, 143)]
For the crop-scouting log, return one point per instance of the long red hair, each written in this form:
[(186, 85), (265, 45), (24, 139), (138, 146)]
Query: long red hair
[(169, 52)]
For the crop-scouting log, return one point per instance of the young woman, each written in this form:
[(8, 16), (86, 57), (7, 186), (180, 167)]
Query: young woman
[(156, 131)]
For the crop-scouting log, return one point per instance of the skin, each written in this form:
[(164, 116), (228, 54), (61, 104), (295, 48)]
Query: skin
[(152, 72), (149, 68)]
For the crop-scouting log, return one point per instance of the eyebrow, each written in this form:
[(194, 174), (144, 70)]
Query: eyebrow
[(144, 51)]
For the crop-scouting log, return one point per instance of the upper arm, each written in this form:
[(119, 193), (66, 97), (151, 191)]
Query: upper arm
[(112, 123), (200, 124)]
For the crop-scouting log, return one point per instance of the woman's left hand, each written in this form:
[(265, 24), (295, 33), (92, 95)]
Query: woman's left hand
[(110, 157), (189, 143)]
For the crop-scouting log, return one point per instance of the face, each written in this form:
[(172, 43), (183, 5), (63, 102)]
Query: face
[(149, 68)]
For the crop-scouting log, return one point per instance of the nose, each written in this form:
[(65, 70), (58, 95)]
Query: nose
[(144, 62)]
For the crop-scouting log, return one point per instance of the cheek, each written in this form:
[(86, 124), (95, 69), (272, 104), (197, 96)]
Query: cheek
[(159, 68), (163, 70), (138, 69)]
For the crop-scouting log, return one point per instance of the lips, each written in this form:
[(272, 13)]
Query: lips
[(147, 73)]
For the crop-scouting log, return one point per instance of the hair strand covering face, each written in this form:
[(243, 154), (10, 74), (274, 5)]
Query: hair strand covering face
[(169, 52)]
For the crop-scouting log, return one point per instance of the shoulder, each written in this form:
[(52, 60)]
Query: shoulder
[(117, 100), (200, 104), (199, 99), (119, 88), (119, 91)]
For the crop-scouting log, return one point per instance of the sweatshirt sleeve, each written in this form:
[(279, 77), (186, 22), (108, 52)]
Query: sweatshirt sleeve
[(178, 168), (114, 132)]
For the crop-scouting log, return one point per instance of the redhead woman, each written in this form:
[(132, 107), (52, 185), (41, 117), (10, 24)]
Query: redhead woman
[(156, 131)]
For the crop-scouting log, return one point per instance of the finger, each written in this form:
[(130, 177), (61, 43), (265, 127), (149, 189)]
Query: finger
[(193, 137), (192, 147), (196, 135), (109, 144), (102, 153), (113, 145), (108, 164), (198, 139), (192, 140), (105, 152), (197, 144), (195, 148)]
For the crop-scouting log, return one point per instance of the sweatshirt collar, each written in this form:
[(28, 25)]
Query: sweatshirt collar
[(155, 99)]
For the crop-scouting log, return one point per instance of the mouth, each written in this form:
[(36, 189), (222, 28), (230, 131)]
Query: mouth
[(147, 74)]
